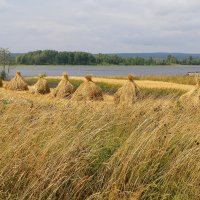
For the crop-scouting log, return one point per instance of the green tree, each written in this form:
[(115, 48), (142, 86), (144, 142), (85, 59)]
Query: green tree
[(5, 58)]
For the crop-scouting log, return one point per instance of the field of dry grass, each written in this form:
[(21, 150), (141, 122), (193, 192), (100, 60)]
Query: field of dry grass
[(153, 83), (60, 149), (110, 87), (181, 79)]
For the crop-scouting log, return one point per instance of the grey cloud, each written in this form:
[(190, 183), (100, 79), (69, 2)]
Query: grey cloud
[(101, 25)]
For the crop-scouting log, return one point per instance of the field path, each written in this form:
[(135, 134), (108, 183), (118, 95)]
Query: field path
[(141, 83)]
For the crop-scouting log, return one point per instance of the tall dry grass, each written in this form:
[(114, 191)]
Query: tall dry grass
[(56, 149), (180, 79)]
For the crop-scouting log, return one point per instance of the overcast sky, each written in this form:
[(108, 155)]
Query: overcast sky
[(106, 26)]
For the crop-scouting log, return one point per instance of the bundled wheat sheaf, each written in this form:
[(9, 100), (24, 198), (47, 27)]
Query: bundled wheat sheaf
[(88, 90), (17, 83), (41, 86), (64, 88), (128, 93)]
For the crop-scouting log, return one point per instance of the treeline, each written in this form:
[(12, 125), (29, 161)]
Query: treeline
[(50, 57)]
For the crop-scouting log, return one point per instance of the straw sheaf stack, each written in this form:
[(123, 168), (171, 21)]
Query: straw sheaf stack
[(64, 88), (41, 87), (192, 97), (128, 93), (88, 90), (17, 83)]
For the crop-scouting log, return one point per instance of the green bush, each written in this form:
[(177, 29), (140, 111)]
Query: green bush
[(3, 75)]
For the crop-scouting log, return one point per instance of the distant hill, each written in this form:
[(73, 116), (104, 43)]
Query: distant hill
[(157, 55)]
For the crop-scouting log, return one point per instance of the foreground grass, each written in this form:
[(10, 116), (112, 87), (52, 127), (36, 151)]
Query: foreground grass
[(53, 149)]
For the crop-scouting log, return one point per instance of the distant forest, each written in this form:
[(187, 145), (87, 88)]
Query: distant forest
[(50, 57)]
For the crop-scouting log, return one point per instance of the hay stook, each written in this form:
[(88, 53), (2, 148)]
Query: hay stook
[(129, 93), (17, 83), (64, 88), (88, 90), (41, 86)]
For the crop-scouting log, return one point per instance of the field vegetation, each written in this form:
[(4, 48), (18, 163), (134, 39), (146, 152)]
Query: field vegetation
[(57, 149), (62, 149), (181, 79), (110, 89)]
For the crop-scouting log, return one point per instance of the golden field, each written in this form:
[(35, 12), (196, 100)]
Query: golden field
[(61, 149), (145, 82)]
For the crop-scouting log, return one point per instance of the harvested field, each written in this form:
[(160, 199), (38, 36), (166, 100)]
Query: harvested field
[(140, 83), (59, 149)]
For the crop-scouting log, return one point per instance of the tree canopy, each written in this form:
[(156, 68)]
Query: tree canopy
[(51, 57), (5, 57)]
